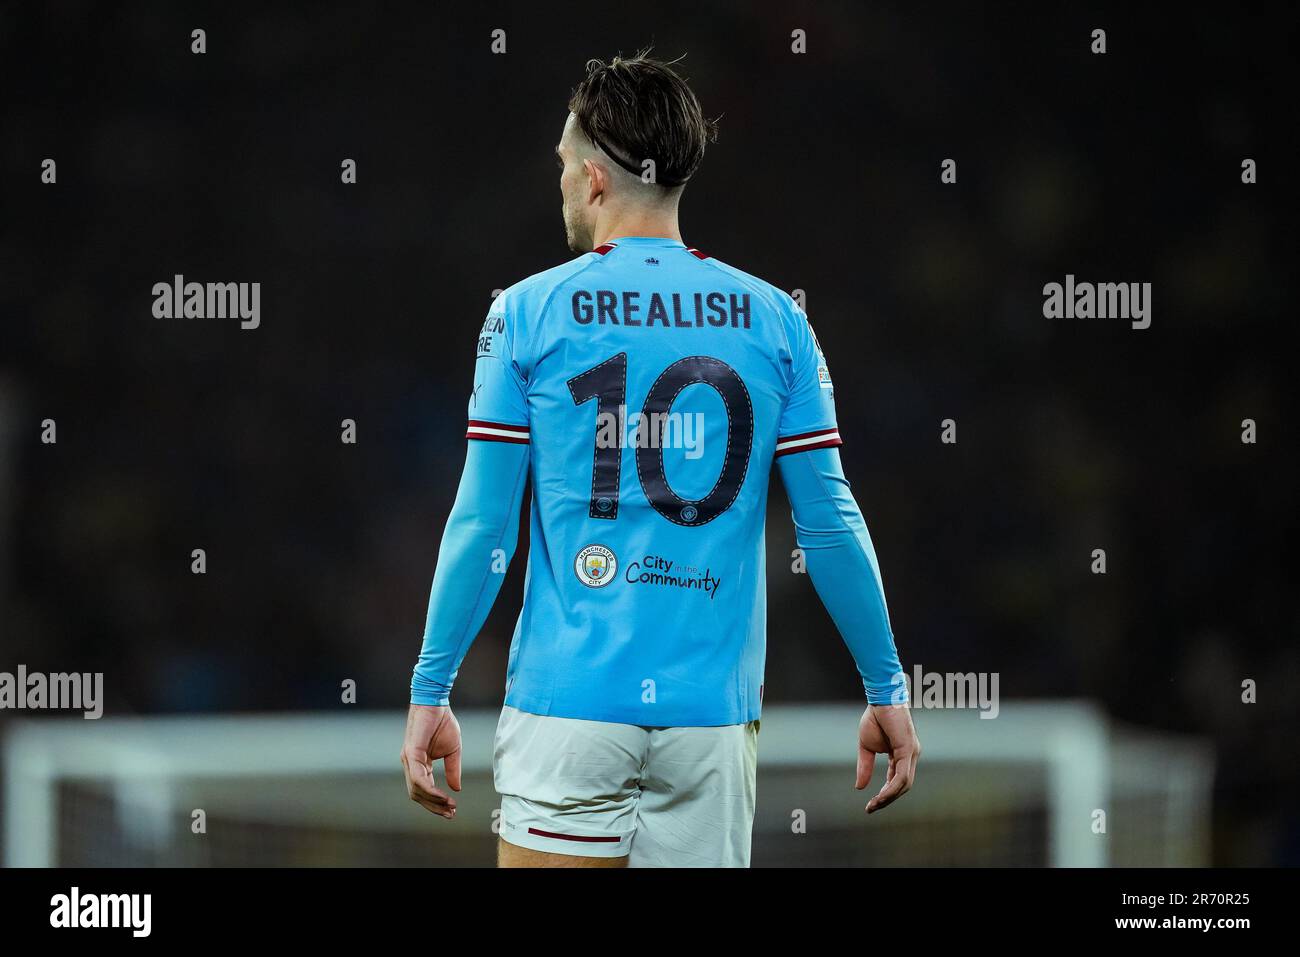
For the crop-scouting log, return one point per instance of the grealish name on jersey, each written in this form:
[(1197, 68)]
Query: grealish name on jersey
[(674, 310)]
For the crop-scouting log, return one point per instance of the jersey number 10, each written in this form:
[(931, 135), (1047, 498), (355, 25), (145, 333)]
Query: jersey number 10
[(607, 384)]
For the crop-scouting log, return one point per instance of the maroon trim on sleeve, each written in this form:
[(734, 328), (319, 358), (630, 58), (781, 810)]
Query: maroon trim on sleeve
[(804, 441), (497, 432)]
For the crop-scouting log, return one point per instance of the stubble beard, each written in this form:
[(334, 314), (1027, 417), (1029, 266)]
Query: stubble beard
[(575, 235)]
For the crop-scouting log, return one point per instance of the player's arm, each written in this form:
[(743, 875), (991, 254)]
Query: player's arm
[(841, 561), (477, 545), (840, 558)]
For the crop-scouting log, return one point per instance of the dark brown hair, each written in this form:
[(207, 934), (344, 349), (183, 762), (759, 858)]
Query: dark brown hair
[(635, 109)]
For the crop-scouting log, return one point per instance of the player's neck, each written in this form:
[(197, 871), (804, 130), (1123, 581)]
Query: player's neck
[(662, 226)]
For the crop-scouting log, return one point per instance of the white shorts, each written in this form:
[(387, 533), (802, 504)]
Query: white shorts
[(663, 797)]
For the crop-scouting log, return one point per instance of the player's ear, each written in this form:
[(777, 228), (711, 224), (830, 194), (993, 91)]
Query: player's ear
[(597, 180)]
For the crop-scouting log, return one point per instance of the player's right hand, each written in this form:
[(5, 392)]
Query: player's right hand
[(431, 733), (887, 729)]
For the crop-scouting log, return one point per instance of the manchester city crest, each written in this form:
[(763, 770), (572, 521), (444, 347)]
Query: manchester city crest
[(595, 566)]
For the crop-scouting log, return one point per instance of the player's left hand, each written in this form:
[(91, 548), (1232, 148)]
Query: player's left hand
[(887, 729), (431, 733)]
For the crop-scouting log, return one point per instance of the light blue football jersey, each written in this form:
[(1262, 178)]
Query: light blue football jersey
[(655, 385)]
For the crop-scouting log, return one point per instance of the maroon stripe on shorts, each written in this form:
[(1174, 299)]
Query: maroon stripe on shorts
[(574, 837)]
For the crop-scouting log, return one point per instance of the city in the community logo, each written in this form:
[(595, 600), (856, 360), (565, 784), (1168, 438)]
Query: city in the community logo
[(595, 566)]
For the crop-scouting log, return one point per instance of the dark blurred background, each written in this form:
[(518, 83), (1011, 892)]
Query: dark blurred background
[(1072, 434)]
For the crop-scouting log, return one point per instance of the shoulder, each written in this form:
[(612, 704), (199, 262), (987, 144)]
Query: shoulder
[(528, 296), (515, 314), (775, 298)]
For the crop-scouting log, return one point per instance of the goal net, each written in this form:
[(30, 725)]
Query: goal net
[(1041, 784)]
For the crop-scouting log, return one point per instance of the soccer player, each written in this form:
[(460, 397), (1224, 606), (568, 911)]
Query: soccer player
[(644, 389)]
